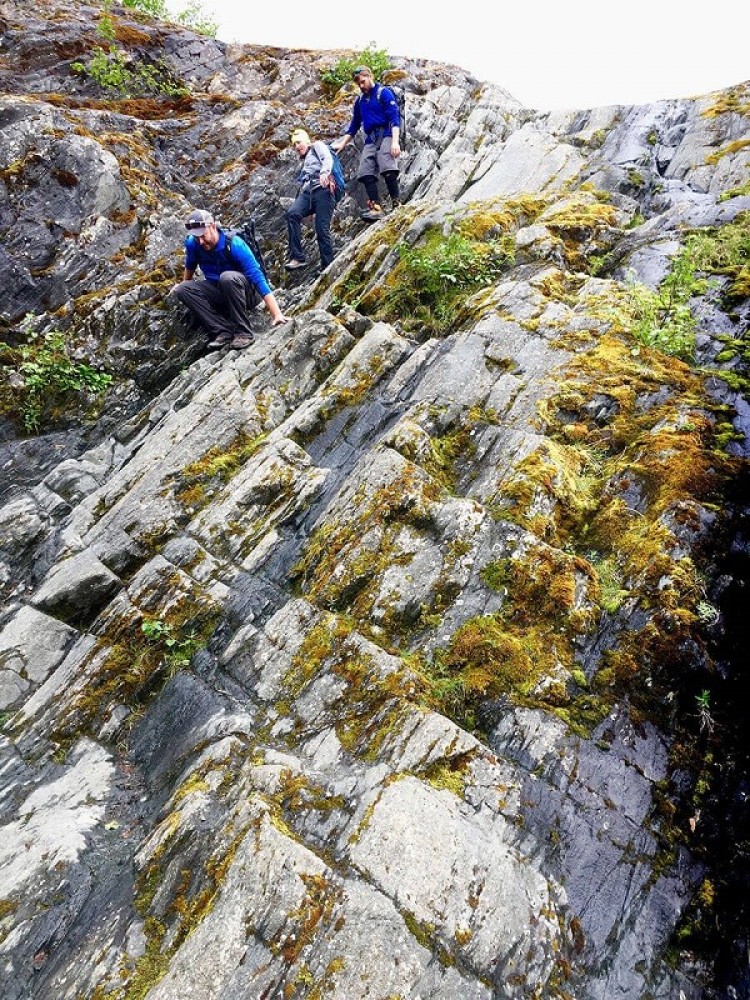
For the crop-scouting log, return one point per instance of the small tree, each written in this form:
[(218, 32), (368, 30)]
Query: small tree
[(335, 77)]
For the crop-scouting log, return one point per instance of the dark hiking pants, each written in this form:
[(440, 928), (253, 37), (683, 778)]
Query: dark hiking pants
[(320, 203), (220, 306)]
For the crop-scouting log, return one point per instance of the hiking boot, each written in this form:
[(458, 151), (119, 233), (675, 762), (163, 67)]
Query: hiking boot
[(221, 341), (241, 340), (295, 265), (395, 202), (372, 213)]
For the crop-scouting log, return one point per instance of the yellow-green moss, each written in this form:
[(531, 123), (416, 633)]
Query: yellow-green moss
[(735, 101), (365, 545), (424, 932), (728, 150), (217, 467), (448, 774), (134, 667)]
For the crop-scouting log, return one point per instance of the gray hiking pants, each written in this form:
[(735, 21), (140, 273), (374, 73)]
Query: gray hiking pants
[(220, 306)]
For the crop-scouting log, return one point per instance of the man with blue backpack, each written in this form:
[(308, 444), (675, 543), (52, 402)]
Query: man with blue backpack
[(321, 187), (376, 112)]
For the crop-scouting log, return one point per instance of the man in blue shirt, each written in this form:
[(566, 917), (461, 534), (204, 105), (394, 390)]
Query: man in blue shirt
[(233, 277), (376, 113)]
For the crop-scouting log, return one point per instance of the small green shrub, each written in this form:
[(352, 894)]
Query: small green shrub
[(435, 279), (176, 647), (112, 70), (157, 8), (105, 25), (195, 17), (456, 262), (663, 319), (46, 377), (335, 77)]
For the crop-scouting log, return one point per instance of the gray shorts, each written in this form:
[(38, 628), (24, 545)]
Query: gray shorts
[(376, 159)]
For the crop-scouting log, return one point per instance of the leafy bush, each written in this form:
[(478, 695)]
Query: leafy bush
[(45, 376), (432, 281), (335, 77), (663, 319), (157, 8), (454, 263), (113, 71), (195, 17)]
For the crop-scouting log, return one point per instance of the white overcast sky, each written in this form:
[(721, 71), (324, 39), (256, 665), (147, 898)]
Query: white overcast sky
[(564, 54)]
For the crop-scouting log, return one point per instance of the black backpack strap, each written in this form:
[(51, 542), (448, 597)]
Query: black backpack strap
[(227, 249)]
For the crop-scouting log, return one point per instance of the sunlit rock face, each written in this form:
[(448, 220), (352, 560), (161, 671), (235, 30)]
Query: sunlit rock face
[(398, 655)]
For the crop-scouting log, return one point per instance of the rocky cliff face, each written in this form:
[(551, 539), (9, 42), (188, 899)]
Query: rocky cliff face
[(398, 655)]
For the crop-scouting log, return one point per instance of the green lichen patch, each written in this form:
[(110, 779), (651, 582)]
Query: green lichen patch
[(342, 566), (134, 658), (195, 484)]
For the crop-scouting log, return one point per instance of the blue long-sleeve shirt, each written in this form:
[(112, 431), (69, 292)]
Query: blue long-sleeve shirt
[(214, 262), (375, 112)]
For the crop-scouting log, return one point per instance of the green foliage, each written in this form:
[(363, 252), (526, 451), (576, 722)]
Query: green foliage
[(456, 262), (725, 251), (114, 71), (105, 25), (45, 377), (435, 278), (335, 77), (496, 575), (612, 593), (703, 706), (663, 319), (156, 8), (195, 17), (178, 649)]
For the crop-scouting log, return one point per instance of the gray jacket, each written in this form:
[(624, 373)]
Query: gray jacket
[(317, 160)]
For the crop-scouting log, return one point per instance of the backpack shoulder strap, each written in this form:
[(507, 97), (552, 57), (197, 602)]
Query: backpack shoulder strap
[(228, 243)]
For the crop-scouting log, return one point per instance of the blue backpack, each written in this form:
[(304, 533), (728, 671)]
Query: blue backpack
[(338, 176), (400, 97)]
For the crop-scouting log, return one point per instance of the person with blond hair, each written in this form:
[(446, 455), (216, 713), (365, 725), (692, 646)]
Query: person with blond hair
[(315, 196)]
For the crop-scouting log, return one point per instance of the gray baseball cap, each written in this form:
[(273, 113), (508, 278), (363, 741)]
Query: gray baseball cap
[(198, 221)]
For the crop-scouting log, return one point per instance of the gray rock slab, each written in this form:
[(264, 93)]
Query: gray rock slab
[(32, 644), (77, 588)]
